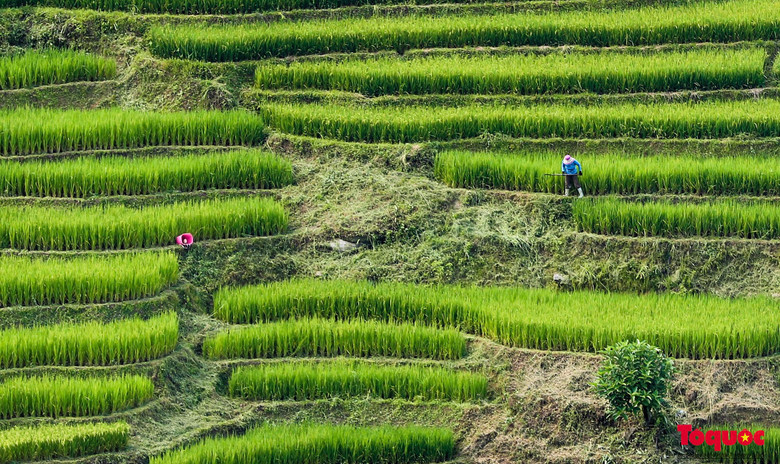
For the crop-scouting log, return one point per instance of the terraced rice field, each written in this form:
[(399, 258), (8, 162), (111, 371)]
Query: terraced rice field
[(709, 119), (331, 337), (751, 453), (382, 269), (732, 21), (530, 318), (34, 68), (28, 281), (86, 177), (552, 73), (320, 444), (62, 441), (114, 227), (59, 396), (28, 131), (303, 381), (612, 173)]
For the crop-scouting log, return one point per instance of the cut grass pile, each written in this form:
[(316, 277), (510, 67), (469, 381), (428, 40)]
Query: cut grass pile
[(612, 173), (708, 119), (604, 72), (45, 442), (768, 453), (320, 444), (726, 21), (90, 344), (85, 177), (43, 67), (530, 318), (94, 279), (119, 227), (326, 337), (717, 218), (26, 131), (48, 396), (345, 379)]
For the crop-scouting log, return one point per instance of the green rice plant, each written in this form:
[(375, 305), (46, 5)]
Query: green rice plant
[(223, 7), (320, 444), (45, 442), (603, 72), (41, 130), (616, 173), (682, 326), (328, 337), (90, 344), (768, 453), (724, 21), (718, 218), (116, 227), (309, 381), (85, 177), (43, 67), (708, 119), (31, 281), (54, 396)]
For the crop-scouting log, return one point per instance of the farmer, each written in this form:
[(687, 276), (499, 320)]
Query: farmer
[(185, 240), (571, 169)]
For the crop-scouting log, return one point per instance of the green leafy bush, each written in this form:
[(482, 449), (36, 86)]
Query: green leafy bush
[(634, 378)]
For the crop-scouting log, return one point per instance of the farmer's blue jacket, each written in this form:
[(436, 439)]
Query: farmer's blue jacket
[(572, 168)]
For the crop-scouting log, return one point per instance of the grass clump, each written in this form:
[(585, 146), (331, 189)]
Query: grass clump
[(605, 72), (86, 177), (717, 218), (328, 337), (45, 442), (54, 396), (26, 131), (90, 344), (767, 453), (530, 318), (611, 173), (43, 67), (725, 21), (120, 227), (708, 119), (320, 444), (344, 379), (30, 281)]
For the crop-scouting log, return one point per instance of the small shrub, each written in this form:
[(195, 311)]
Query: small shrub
[(635, 378)]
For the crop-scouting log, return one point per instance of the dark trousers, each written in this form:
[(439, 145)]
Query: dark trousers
[(572, 181)]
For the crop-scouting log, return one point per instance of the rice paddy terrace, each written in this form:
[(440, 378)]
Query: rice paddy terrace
[(376, 240)]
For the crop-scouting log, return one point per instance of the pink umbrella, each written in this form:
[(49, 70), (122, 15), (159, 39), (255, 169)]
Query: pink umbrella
[(185, 240)]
